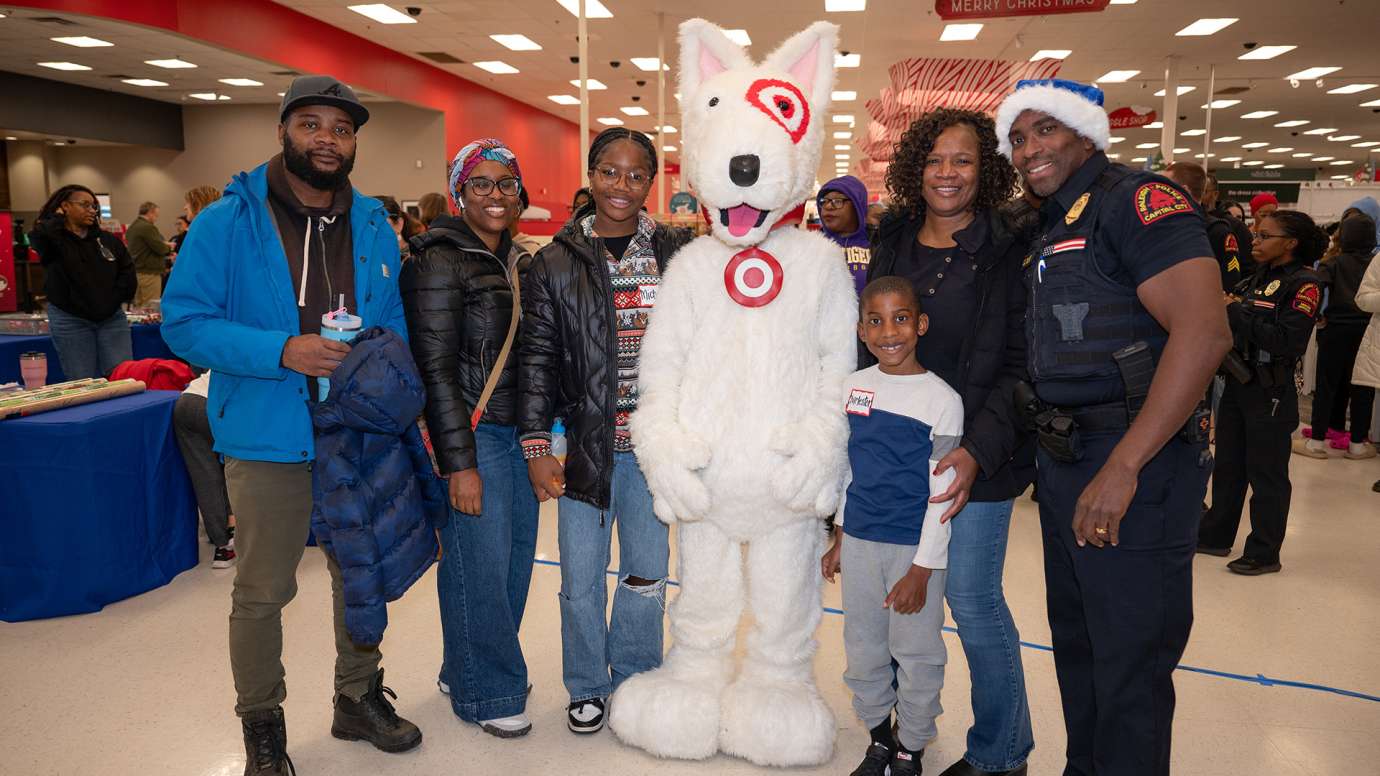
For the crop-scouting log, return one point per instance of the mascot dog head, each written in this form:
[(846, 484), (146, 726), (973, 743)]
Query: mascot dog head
[(753, 133)]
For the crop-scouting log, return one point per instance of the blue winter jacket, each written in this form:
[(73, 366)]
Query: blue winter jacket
[(377, 500), (230, 307)]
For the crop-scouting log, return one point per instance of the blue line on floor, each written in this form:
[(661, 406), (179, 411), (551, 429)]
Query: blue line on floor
[(1260, 679)]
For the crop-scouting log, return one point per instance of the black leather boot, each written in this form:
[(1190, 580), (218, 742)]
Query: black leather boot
[(373, 719), (265, 744), (965, 768)]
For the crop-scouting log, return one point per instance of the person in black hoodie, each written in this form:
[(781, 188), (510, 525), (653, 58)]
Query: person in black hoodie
[(945, 234), (88, 276), (460, 295), (1340, 329), (585, 303)]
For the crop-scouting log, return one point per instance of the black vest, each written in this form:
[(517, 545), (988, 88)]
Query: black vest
[(1078, 316), (1268, 293)]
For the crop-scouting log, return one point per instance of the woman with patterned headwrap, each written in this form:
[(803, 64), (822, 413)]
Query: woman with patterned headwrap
[(461, 296)]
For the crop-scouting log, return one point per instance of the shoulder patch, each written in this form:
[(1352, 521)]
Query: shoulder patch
[(1306, 298), (1157, 200), (1231, 245)]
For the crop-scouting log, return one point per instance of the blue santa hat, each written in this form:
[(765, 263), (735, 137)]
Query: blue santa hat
[(1077, 105)]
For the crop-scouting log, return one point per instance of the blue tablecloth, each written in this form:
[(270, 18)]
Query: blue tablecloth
[(145, 338), (95, 506)]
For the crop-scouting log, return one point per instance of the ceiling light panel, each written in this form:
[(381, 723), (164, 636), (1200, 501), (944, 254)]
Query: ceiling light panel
[(610, 121), (1260, 114), (1051, 54), (960, 32), (1321, 131), (1206, 27), (1352, 89), (563, 99), (593, 9), (1220, 104), (68, 66), (843, 96), (170, 64), (648, 64), (1182, 90), (1323, 158), (496, 67), (382, 13), (241, 82), (848, 60), (1292, 123), (1266, 52), (1117, 76), (634, 110), (516, 42), (594, 84), (1194, 132), (142, 82), (843, 135), (844, 6), (1226, 138), (1343, 138), (1312, 73), (1254, 145), (82, 41), (1281, 150)]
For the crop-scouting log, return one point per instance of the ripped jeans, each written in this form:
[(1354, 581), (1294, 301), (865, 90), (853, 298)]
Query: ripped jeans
[(597, 655)]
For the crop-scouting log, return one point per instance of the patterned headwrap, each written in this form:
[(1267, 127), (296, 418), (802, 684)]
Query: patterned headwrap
[(487, 149)]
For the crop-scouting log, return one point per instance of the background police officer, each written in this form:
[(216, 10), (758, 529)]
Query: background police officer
[(1221, 233), (1272, 315), (1123, 261)]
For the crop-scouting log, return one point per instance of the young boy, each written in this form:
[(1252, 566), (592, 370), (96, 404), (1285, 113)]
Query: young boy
[(893, 547)]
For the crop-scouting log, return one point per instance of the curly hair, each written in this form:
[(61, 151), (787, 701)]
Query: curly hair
[(201, 197), (905, 174)]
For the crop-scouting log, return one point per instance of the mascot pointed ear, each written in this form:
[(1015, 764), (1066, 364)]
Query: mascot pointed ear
[(808, 56), (704, 53)]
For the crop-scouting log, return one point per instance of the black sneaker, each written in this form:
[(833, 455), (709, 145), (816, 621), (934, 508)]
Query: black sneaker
[(877, 761), (265, 744), (224, 558), (585, 716), (903, 764), (1251, 567), (373, 719)]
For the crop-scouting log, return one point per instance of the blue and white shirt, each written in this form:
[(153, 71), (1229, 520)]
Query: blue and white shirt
[(899, 428)]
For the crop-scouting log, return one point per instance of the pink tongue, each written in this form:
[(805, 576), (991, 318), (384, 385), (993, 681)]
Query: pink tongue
[(742, 219)]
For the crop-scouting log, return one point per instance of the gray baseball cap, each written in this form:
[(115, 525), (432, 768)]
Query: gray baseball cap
[(323, 90)]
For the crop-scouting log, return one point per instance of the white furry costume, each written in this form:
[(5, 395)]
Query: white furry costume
[(739, 429)]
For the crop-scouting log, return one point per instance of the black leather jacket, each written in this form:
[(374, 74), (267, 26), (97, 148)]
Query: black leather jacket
[(458, 304), (568, 364)]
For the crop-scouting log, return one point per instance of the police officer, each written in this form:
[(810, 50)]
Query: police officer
[(1272, 315), (1221, 233), (1125, 326)]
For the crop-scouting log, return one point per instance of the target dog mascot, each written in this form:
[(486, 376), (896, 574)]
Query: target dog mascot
[(740, 429)]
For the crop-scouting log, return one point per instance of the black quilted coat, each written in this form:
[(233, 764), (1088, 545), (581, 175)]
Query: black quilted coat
[(458, 304), (993, 356), (567, 365)]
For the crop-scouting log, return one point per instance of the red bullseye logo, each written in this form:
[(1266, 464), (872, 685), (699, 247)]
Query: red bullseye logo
[(753, 278)]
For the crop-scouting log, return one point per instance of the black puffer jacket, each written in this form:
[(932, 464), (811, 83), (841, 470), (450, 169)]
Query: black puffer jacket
[(458, 304), (993, 356), (568, 364), (90, 276)]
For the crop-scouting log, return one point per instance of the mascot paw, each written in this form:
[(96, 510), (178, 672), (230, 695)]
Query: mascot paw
[(677, 494), (668, 714), (775, 723), (794, 483), (690, 451)]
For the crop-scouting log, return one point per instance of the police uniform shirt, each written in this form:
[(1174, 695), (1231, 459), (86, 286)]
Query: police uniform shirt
[(1275, 316), (1226, 247), (1144, 224)]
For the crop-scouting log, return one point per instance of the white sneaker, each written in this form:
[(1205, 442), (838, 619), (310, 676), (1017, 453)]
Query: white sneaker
[(1360, 451), (507, 727), (443, 687)]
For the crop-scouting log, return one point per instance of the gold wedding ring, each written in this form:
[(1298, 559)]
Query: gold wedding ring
[(1100, 530)]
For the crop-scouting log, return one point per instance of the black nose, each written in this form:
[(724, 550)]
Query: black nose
[(742, 170)]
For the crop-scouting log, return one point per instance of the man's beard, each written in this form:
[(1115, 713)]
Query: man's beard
[(300, 164)]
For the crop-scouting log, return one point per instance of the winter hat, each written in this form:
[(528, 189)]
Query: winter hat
[(488, 149), (1261, 200), (1077, 105)]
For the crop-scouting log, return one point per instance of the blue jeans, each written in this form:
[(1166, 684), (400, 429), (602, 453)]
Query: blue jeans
[(1000, 738), (89, 349), (596, 657), (484, 574)]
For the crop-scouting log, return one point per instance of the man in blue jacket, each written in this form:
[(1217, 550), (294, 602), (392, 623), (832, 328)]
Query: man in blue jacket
[(285, 245)]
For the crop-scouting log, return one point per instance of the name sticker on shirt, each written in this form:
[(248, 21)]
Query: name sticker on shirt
[(647, 293), (860, 402)]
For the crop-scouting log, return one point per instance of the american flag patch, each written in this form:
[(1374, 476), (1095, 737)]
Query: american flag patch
[(1064, 246)]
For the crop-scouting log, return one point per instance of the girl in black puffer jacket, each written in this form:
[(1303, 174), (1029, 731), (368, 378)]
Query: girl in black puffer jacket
[(587, 300), (459, 295)]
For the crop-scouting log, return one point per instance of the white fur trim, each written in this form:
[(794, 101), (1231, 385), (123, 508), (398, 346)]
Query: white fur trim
[(1082, 116)]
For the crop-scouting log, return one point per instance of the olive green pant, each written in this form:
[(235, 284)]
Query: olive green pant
[(272, 506)]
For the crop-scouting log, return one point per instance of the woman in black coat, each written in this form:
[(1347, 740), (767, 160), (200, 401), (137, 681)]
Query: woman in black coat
[(944, 233), (458, 295), (89, 275)]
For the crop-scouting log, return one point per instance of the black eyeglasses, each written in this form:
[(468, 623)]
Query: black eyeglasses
[(833, 203), (1268, 236), (485, 186), (82, 204)]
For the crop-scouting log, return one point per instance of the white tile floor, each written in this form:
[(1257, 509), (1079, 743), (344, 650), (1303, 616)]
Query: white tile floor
[(144, 686)]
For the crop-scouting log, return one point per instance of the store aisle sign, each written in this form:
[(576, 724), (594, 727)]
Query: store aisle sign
[(994, 9), (1130, 117)]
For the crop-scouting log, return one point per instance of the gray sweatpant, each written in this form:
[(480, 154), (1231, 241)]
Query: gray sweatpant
[(873, 637)]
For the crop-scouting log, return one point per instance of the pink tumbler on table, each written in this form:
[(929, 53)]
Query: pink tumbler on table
[(33, 366)]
